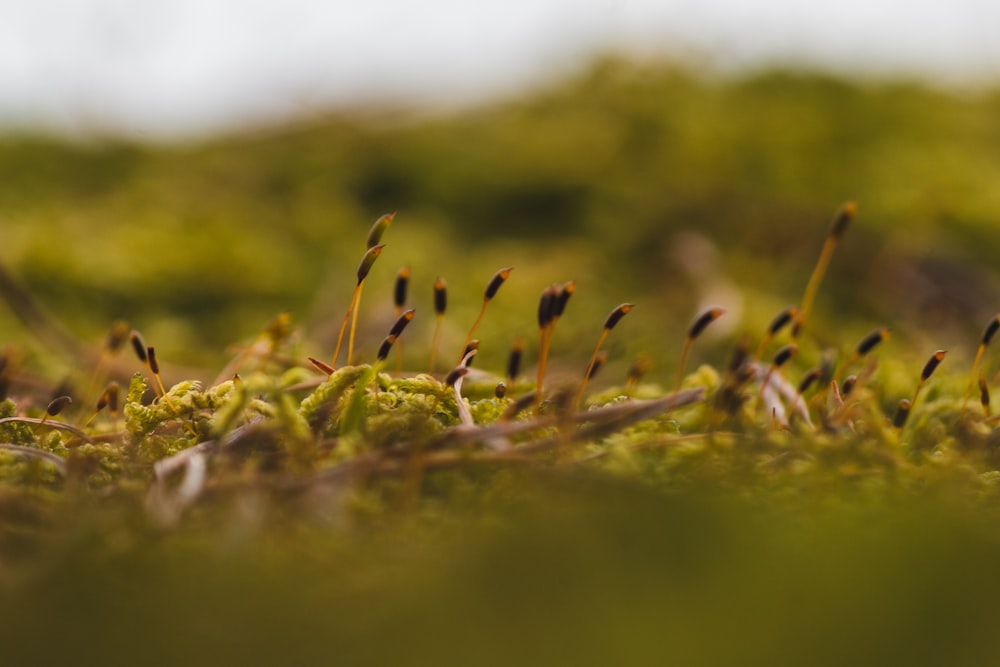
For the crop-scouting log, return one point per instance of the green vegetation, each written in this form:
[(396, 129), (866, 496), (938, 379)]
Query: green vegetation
[(279, 504)]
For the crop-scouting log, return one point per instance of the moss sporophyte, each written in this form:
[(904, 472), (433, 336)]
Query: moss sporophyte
[(291, 421)]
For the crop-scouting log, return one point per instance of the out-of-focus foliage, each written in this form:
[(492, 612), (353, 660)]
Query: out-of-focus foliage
[(643, 182)]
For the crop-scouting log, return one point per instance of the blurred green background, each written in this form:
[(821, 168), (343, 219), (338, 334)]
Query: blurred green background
[(643, 181)]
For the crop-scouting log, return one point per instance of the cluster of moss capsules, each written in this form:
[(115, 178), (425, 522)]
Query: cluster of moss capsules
[(358, 422)]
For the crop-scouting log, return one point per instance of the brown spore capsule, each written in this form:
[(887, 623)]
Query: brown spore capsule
[(809, 379), (842, 219), (383, 350), (401, 287), (990, 331), (871, 340), (491, 289), (108, 399), (440, 305), (440, 296), (496, 281), (365, 266), (932, 365), (596, 366), (500, 390), (154, 368), (514, 360), (401, 322), (703, 320), (154, 365), (139, 346), (848, 385), (546, 306), (472, 345), (782, 356), (57, 405), (613, 318), (117, 335), (617, 314), (565, 291), (695, 330), (782, 319), (454, 376), (902, 413), (984, 394)]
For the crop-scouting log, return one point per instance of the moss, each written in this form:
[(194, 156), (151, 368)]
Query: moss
[(317, 408), (14, 432)]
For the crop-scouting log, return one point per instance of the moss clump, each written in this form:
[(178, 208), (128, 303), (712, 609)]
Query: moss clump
[(746, 426)]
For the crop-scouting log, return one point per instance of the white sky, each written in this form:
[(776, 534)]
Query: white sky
[(177, 66)]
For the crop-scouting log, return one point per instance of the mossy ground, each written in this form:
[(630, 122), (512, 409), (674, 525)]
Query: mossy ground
[(290, 518)]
